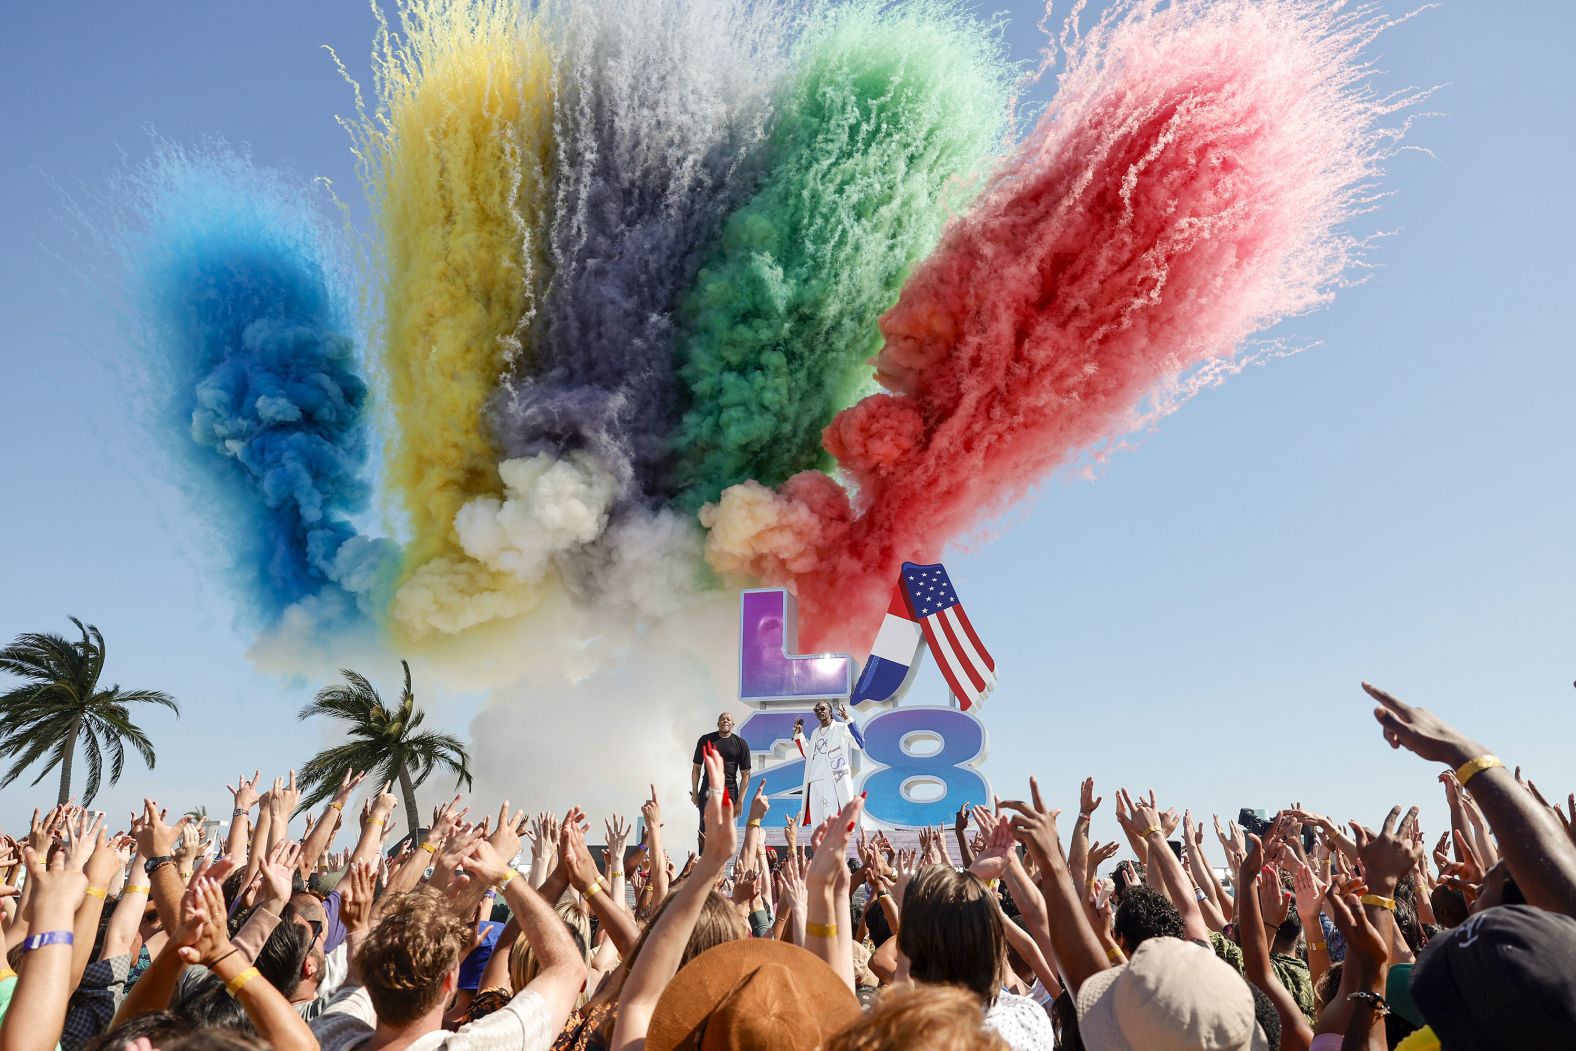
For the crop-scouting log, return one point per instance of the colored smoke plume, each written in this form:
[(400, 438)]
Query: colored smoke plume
[(454, 163), (248, 338), (659, 110), (888, 111), (1188, 185)]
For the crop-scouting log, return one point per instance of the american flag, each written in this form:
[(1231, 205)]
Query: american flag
[(962, 658)]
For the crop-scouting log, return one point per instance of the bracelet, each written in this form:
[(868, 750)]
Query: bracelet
[(593, 889), (1114, 955), (1472, 767), (1317, 947), (6, 972), (1374, 1000), (615, 875), (375, 821), (1380, 902), (235, 984), (241, 811), (336, 805), (98, 892), (821, 930), (429, 848), (141, 888), (753, 823), (1199, 895), (1151, 830), (38, 941), (233, 950), (503, 881)]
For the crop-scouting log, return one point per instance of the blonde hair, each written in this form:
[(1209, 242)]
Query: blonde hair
[(921, 1018)]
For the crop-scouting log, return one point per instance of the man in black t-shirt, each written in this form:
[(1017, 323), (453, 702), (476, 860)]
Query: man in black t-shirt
[(735, 752)]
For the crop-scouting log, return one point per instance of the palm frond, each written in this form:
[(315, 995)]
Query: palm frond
[(92, 753)]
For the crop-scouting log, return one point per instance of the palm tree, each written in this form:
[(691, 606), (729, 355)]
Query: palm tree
[(385, 743), (61, 702)]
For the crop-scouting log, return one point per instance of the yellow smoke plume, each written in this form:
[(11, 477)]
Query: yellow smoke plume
[(454, 162)]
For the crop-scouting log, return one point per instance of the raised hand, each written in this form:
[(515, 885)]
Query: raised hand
[(505, 836), (356, 894), (1388, 856), (1100, 853), (203, 921), (1421, 732), (1366, 946), (154, 837), (791, 831), (348, 783), (1088, 802), (1310, 892), (759, 804), (576, 858), (244, 791), (278, 874), (721, 833), (993, 860), (1035, 827), (745, 888)]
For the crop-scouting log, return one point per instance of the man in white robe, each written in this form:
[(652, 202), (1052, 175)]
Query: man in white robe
[(828, 762)]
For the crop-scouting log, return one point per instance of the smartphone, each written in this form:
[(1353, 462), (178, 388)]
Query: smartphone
[(1176, 847)]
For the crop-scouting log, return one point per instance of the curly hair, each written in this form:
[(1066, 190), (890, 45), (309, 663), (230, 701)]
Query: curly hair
[(1143, 914), (407, 955)]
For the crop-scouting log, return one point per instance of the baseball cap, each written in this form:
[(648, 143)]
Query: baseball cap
[(1172, 995), (1506, 978)]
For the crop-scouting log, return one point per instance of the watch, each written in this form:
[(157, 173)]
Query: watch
[(153, 863)]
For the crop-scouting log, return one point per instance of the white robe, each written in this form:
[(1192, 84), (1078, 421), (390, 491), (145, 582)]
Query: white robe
[(828, 770)]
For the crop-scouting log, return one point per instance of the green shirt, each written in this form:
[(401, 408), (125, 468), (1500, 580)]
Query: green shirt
[(1294, 975)]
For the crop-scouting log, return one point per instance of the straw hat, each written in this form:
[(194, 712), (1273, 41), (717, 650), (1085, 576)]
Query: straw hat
[(757, 993)]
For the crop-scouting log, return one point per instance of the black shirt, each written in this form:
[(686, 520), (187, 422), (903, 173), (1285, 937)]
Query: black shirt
[(735, 754)]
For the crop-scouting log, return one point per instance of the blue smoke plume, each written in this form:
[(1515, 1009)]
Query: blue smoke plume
[(247, 327)]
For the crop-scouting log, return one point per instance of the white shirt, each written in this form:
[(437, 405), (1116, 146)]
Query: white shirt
[(520, 1025), (1018, 1020)]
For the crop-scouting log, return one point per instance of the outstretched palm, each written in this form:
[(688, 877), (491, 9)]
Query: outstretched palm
[(387, 742)]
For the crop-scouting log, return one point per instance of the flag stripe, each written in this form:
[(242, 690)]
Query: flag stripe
[(971, 657), (946, 660), (979, 647), (957, 652)]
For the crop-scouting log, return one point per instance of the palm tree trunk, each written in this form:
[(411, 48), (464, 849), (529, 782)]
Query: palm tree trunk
[(408, 790), (71, 755)]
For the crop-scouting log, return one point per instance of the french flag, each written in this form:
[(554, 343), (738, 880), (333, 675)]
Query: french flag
[(894, 656)]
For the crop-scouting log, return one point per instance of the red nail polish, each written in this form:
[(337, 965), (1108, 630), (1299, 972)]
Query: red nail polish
[(863, 794), (850, 826), (725, 800)]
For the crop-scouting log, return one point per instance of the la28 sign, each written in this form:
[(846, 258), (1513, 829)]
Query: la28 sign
[(919, 761)]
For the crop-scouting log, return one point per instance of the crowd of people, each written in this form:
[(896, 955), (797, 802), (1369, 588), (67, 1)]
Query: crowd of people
[(1311, 934)]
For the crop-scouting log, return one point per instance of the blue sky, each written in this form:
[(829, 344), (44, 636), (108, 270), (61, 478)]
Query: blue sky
[(1394, 504)]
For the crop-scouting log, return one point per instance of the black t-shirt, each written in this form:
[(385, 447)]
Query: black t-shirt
[(735, 754)]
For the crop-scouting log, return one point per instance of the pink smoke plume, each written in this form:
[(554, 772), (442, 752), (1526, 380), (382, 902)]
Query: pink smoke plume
[(1188, 185)]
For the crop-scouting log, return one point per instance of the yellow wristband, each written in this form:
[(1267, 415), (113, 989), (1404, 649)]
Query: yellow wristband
[(429, 848), (753, 823), (1316, 947), (1152, 829), (503, 881), (234, 985), (593, 890), (1472, 767), (821, 930), (1114, 955), (98, 892), (338, 806), (141, 888), (375, 821), (6, 972), (616, 875), (1376, 900)]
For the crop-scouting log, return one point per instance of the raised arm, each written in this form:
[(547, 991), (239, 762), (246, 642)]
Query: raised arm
[(651, 810), (1256, 949), (38, 1003), (1073, 941), (245, 792), (321, 837), (1203, 876), (659, 958), (1534, 845), (1148, 825), (583, 877), (374, 822), (827, 915)]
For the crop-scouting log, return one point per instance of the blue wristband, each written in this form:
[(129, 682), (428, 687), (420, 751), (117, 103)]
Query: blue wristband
[(34, 941)]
